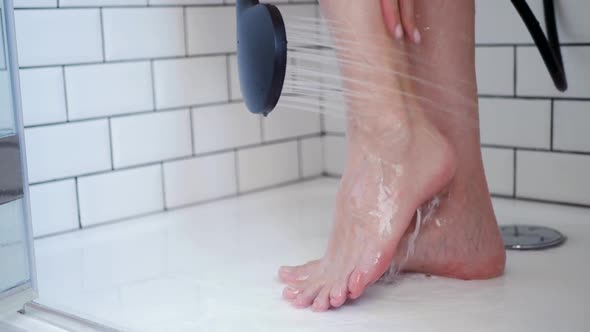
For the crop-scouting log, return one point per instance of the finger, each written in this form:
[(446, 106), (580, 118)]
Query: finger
[(391, 15), (408, 18)]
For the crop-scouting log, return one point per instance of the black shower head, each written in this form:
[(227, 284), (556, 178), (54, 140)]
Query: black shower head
[(262, 54)]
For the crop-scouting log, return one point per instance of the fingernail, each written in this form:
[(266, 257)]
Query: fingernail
[(399, 31), (417, 37)]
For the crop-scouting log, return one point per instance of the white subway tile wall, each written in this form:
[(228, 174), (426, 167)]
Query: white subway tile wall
[(133, 107), (151, 137), (288, 121), (268, 165), (570, 126), (57, 36), (34, 3), (116, 195), (312, 154), (190, 81), (108, 89), (67, 150), (224, 127), (201, 40), (200, 179), (495, 70), (43, 96), (553, 176), (535, 139), (235, 91), (499, 168), (533, 79), (515, 122), (149, 32), (55, 203), (334, 154)]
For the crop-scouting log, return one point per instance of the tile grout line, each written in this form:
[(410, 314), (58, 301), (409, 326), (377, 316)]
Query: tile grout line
[(191, 121), (552, 125), (183, 158), (278, 186), (185, 31), (138, 59), (515, 156), (323, 152), (136, 113), (261, 122), (111, 144), (515, 69), (4, 65), (531, 45), (163, 180), (532, 97), (521, 148), (207, 5), (153, 77), (65, 86), (541, 201), (237, 170), (300, 157), (322, 99), (151, 110), (185, 206), (76, 183), (228, 78), (117, 116), (102, 39)]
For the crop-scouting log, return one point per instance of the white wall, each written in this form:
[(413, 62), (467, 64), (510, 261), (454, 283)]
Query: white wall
[(536, 140), (133, 107)]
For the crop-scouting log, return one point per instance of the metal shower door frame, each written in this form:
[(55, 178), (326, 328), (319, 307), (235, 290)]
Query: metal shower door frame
[(14, 299)]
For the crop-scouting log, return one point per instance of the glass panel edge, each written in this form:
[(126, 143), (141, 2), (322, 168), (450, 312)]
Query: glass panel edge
[(12, 63)]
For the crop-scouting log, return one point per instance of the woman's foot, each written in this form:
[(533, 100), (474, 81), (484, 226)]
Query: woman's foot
[(382, 187), (457, 236), (454, 235)]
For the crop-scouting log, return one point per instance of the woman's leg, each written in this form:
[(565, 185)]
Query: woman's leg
[(402, 150), (463, 241)]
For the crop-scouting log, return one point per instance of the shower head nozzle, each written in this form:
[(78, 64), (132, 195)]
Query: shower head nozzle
[(262, 54)]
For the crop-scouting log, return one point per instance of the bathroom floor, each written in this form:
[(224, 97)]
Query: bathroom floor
[(22, 323), (213, 268)]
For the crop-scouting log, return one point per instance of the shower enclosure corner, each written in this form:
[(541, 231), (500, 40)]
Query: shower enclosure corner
[(17, 264)]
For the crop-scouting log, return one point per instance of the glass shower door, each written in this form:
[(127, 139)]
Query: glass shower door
[(17, 273)]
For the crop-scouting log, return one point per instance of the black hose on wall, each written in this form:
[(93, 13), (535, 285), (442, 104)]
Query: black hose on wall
[(548, 46)]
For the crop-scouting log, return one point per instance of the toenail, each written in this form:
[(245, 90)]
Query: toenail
[(290, 293), (301, 303), (417, 36), (318, 307), (399, 31), (302, 277), (337, 301), (292, 290)]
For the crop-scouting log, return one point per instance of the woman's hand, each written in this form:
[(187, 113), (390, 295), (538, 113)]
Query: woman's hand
[(400, 19)]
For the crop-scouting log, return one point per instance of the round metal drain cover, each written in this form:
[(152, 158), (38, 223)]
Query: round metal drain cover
[(524, 237)]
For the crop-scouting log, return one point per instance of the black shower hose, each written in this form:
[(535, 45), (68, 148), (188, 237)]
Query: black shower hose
[(548, 46)]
